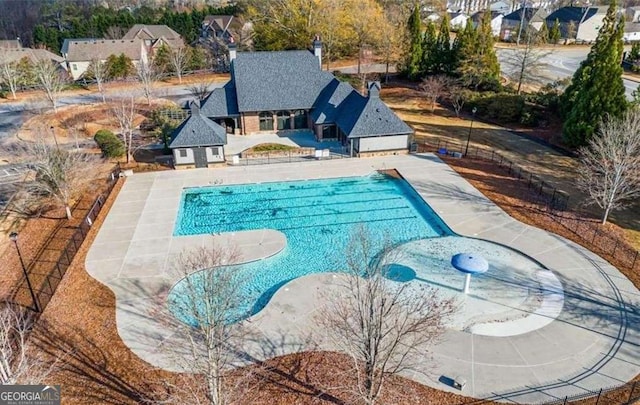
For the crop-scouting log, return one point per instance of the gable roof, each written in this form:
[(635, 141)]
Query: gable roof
[(361, 117), (326, 106), (144, 31), (10, 43), (282, 80), (218, 21), (34, 55), (88, 49), (477, 17), (529, 13), (575, 14), (197, 130), (221, 102)]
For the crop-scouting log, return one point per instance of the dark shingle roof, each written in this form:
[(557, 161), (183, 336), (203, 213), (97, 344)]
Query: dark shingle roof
[(326, 107), (221, 102), (529, 12), (198, 130), (285, 80), (361, 117), (567, 14)]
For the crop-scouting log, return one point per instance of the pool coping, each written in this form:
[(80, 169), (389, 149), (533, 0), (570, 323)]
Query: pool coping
[(147, 206)]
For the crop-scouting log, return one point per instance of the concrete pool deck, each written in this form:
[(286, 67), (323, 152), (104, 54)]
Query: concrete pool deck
[(593, 342)]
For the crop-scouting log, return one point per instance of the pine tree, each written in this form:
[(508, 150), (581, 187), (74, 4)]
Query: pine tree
[(443, 48), (462, 50), (543, 34), (554, 34), (596, 91), (429, 49), (415, 51), (486, 48)]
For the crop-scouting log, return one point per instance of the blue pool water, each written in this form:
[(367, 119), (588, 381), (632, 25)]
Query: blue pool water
[(316, 216)]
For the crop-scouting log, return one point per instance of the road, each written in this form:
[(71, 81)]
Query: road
[(562, 62)]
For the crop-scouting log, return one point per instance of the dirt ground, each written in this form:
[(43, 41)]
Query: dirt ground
[(555, 167)]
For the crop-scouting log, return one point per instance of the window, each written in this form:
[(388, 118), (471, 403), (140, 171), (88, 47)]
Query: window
[(299, 119), (284, 120), (74, 66), (183, 153), (266, 121), (215, 151), (329, 132)]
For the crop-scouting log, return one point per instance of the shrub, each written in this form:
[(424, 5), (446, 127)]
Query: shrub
[(501, 107), (110, 145)]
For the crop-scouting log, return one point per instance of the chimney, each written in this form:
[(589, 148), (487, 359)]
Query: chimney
[(232, 49), (373, 89), (317, 49)]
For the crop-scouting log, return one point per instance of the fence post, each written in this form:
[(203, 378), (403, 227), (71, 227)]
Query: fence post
[(615, 247), (595, 233), (565, 400), (493, 152), (598, 399), (633, 266)]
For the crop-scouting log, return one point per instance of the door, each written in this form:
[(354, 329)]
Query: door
[(200, 157)]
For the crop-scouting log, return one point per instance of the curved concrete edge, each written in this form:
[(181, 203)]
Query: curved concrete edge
[(550, 308)]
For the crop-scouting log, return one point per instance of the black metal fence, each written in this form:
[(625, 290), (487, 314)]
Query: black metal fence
[(547, 197), (55, 270), (286, 157), (620, 395)]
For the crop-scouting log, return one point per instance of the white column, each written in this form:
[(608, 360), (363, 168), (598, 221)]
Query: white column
[(467, 281)]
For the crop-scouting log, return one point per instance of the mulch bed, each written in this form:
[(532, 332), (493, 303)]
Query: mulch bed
[(79, 326)]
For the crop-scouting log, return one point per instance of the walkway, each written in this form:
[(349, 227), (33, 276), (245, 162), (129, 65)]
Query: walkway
[(593, 343)]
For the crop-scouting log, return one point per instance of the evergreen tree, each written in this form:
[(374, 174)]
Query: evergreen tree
[(543, 34), (554, 34), (486, 48), (596, 91), (477, 61), (462, 50), (429, 50), (161, 59), (443, 60), (415, 50)]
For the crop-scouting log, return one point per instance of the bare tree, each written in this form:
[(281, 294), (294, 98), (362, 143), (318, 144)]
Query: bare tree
[(211, 301), (51, 79), (379, 323), (434, 87), (525, 65), (457, 98), (9, 72), (200, 90), (148, 75), (178, 57), (124, 113), (610, 163), (114, 32), (98, 71), (60, 175)]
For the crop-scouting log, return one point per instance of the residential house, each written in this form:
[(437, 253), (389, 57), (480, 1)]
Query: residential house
[(432, 17), (467, 6), (496, 21), (220, 26), (531, 17), (458, 21), (579, 23), (78, 53), (501, 6), (10, 44), (198, 141), (632, 25), (11, 55), (288, 90), (155, 36)]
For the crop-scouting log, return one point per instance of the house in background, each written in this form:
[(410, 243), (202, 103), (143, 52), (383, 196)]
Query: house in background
[(467, 6), (496, 21), (501, 6), (11, 55), (458, 21), (579, 23), (220, 26), (198, 142), (287, 90), (632, 24), (78, 53), (10, 44), (526, 16), (154, 36)]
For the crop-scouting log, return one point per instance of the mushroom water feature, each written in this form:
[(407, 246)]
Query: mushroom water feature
[(469, 264)]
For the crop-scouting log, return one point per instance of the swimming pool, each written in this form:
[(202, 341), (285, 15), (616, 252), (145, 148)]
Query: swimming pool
[(316, 216)]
